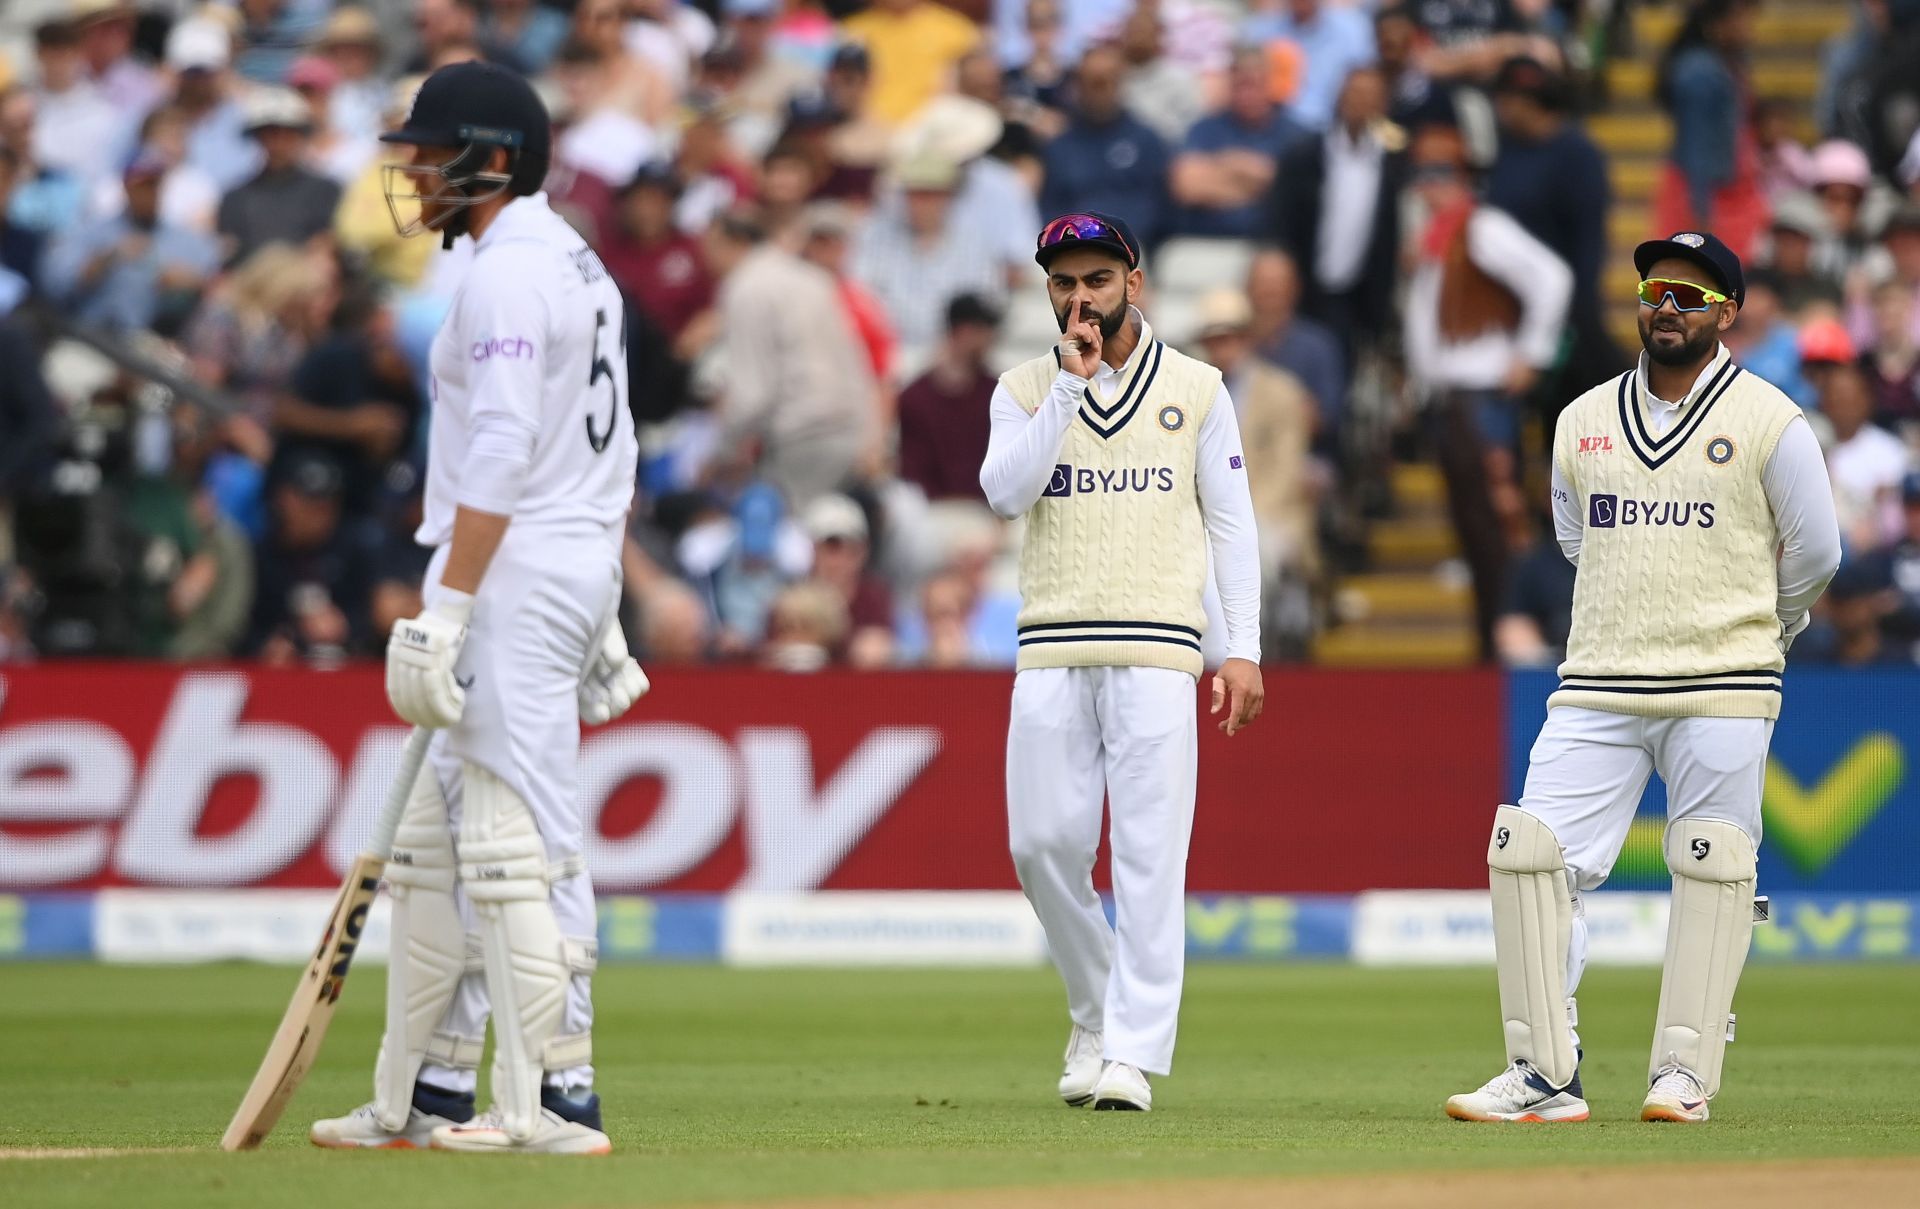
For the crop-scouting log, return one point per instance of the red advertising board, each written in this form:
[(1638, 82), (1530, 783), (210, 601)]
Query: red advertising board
[(140, 774)]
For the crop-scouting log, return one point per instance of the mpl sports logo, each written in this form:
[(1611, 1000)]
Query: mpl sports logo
[(1605, 511), (1084, 480)]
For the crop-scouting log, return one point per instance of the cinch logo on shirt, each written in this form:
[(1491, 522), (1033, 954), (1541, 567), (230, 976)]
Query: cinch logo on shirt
[(1610, 512), (1067, 480), (513, 348)]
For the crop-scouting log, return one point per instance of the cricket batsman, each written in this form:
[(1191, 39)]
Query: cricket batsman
[(530, 473), (1125, 458), (1694, 499)]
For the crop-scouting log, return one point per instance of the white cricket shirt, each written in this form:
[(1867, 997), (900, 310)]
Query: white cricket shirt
[(529, 386)]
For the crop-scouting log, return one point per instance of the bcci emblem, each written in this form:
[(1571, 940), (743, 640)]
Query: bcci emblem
[(1172, 418), (1687, 239), (1720, 451)]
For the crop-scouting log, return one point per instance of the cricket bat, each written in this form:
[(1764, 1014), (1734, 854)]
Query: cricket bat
[(296, 1044)]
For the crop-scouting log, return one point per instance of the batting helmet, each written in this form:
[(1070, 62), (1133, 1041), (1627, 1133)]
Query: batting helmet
[(474, 107)]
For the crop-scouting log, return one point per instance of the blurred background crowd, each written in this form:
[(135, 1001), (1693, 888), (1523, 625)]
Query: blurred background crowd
[(1401, 228)]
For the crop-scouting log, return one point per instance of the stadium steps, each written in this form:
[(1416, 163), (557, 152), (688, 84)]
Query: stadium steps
[(1789, 36), (1379, 646), (1403, 597), (1408, 611), (1800, 24), (1789, 78), (1627, 225), (1411, 543)]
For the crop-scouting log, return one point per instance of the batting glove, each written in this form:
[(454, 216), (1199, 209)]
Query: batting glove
[(613, 681), (421, 652)]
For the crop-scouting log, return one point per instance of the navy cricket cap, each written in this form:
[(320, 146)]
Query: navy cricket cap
[(1087, 229), (476, 102), (1702, 249)]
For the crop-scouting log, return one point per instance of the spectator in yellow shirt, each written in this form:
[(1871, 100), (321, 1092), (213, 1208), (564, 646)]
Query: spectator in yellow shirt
[(914, 45)]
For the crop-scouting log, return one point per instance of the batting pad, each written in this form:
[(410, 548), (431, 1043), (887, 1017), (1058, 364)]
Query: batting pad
[(503, 864), (429, 954), (1714, 866), (1532, 926)]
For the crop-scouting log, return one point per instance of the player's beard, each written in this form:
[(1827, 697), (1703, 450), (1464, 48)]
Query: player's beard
[(1696, 346), (1108, 322)]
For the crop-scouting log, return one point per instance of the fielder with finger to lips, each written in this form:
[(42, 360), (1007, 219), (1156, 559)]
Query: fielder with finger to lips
[(530, 472), (1125, 458)]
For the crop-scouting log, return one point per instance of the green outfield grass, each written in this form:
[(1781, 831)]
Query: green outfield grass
[(743, 1085)]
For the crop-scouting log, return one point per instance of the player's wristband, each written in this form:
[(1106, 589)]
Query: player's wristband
[(455, 606)]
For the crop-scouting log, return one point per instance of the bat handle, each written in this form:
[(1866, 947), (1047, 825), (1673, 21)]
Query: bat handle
[(388, 820)]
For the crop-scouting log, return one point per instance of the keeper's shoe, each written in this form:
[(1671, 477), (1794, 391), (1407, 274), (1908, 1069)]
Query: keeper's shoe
[(1082, 1067), (361, 1129), (1676, 1095), (563, 1127), (1520, 1093), (1124, 1088)]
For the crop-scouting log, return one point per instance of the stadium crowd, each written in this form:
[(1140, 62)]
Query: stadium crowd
[(1386, 222)]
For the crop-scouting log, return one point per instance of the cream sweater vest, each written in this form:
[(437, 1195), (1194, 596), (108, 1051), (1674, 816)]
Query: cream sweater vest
[(1115, 560), (1673, 606)]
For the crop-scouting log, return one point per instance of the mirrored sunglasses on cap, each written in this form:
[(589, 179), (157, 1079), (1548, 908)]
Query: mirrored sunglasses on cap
[(1687, 295), (1073, 228)]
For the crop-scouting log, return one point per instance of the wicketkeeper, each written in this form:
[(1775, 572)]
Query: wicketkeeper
[(1694, 499)]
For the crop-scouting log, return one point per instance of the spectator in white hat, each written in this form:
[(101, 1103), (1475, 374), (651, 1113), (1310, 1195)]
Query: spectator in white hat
[(351, 43), (286, 202), (1799, 247), (199, 52), (1277, 420), (914, 260), (129, 84), (670, 35), (994, 206), (841, 548)]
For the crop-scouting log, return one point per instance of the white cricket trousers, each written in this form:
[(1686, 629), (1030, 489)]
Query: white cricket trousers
[(536, 626), (1588, 769), (1129, 735)]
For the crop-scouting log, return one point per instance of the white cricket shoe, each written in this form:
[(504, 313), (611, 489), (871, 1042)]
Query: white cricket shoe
[(1520, 1093), (1083, 1066), (1676, 1095), (361, 1130), (1122, 1087), (562, 1128)]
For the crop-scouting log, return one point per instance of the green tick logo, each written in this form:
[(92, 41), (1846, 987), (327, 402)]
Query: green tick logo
[(1809, 825), (1813, 825)]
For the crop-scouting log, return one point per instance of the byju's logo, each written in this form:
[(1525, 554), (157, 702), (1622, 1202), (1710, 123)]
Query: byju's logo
[(1067, 480), (1610, 511)]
